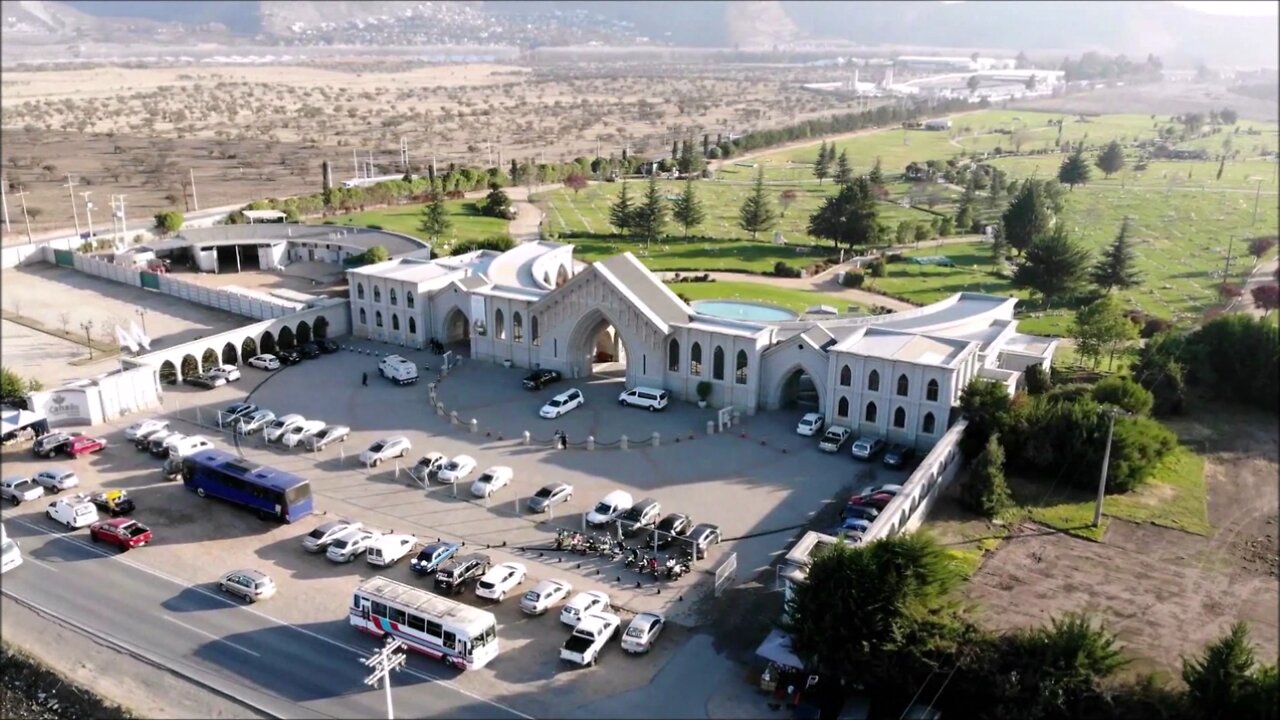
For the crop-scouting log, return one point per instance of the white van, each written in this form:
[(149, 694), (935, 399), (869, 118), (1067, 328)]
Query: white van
[(398, 370), (189, 445), (649, 398), (10, 555), (388, 549), (610, 508)]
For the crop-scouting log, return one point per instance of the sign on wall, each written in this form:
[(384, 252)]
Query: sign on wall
[(69, 406)]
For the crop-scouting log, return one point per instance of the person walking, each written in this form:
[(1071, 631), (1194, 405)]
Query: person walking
[(364, 379)]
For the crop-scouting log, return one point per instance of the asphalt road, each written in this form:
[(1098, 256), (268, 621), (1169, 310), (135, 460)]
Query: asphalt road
[(239, 652)]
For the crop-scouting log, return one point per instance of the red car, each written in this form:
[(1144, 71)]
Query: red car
[(84, 445), (122, 532), (876, 500)]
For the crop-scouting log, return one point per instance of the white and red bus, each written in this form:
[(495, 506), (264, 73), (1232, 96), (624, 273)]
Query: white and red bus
[(460, 635)]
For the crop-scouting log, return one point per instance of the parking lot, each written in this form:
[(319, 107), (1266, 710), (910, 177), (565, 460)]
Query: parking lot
[(760, 483)]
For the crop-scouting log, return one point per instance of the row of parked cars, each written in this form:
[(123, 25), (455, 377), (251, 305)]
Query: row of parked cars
[(863, 448), (650, 399), (291, 430), (222, 374), (862, 509)]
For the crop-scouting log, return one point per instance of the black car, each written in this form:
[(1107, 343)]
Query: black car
[(202, 381), (454, 576), (669, 529), (328, 346), (539, 379), (288, 357), (863, 512), (310, 351), (702, 537), (642, 516), (48, 445), (897, 456)]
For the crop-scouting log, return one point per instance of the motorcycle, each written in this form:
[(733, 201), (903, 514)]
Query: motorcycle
[(562, 539), (676, 568), (650, 565), (633, 558)]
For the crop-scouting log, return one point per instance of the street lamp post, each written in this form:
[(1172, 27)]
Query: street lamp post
[(1106, 463), (88, 211), (87, 326), (142, 314)]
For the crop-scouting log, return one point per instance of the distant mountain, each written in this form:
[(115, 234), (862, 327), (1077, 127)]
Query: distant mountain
[(1179, 35)]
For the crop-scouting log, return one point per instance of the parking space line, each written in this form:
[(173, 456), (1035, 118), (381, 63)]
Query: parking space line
[(350, 648), (210, 635)]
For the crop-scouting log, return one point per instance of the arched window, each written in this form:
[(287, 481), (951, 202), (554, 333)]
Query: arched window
[(377, 294), (377, 318), (846, 376), (391, 295), (534, 337), (903, 385), (408, 299), (717, 364), (413, 325), (673, 355), (364, 319), (740, 368), (900, 418), (695, 359), (842, 407), (395, 322), (359, 291), (873, 381), (931, 391), (926, 427), (499, 325), (870, 415), (517, 327)]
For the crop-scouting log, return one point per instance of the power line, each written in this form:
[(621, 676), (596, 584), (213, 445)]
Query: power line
[(390, 657)]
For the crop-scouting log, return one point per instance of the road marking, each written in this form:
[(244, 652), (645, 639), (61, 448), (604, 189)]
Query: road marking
[(42, 564), (210, 635), (350, 648)]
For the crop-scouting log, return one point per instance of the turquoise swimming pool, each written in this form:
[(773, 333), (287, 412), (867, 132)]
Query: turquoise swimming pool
[(734, 310)]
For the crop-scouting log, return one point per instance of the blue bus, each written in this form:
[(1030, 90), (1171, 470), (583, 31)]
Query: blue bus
[(272, 493)]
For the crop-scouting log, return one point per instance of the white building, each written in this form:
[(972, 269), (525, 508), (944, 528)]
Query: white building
[(894, 376)]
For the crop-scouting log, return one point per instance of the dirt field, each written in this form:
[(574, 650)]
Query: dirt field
[(1165, 593), (1161, 99), (254, 132)]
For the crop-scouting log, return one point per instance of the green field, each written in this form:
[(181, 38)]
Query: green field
[(468, 223), (795, 300)]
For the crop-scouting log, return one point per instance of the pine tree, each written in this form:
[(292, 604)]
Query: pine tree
[(821, 166), (985, 490), (650, 218), (622, 212), (1111, 159), (1074, 170), (844, 171), (675, 149), (1027, 219), (965, 211), (876, 176), (757, 212), (435, 217), (1055, 266), (686, 209), (851, 216), (1116, 268)]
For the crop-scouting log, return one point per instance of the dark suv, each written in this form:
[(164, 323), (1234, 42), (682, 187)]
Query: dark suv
[(289, 357), (454, 576), (310, 351), (539, 379), (48, 445), (642, 516)]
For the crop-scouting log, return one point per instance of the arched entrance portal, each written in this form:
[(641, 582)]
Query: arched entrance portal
[(597, 348), (304, 333), (229, 355), (168, 373), (799, 392), (457, 332)]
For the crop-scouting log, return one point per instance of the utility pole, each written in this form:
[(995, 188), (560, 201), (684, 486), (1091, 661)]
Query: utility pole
[(389, 658), (1226, 271), (4, 202), (1106, 461), (71, 191), (22, 194), (117, 211), (195, 202), (490, 146), (355, 163), (1257, 196), (88, 210)]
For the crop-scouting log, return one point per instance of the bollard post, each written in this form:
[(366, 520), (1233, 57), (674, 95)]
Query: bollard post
[(526, 437), (397, 468), (584, 522), (622, 442), (200, 421), (440, 409), (454, 485), (475, 425), (515, 505), (453, 417), (342, 453), (656, 439), (711, 427), (551, 512), (591, 442), (486, 501)]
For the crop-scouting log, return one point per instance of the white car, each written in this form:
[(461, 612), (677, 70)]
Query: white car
[(350, 545), (561, 404), (491, 480), (500, 579), (18, 490), (255, 422), (330, 434), (229, 373), (277, 428), (76, 511), (543, 595), (642, 632), (318, 540), (56, 480), (300, 433), (386, 550), (582, 604), (810, 424), (144, 428), (456, 469), (386, 449), (265, 362)]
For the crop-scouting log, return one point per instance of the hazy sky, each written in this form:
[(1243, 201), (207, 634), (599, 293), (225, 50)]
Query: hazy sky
[(1232, 7)]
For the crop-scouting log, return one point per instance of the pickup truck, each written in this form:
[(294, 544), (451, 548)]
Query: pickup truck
[(590, 636), (124, 533)]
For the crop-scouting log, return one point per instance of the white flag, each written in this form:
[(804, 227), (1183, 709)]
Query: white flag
[(125, 340), (138, 335)]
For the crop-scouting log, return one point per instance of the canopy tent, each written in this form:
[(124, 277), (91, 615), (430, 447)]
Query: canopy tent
[(12, 421), (777, 648)]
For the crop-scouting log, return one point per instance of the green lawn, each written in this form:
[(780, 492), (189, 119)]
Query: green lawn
[(675, 254), (468, 223), (796, 300), (924, 284)]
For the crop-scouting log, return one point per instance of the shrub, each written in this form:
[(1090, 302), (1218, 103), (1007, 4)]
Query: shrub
[(704, 390), (1138, 446), (853, 279), (877, 268), (1237, 358), (1069, 392), (985, 490), (1154, 326), (374, 226), (1037, 380), (1125, 394), (895, 257), (781, 269)]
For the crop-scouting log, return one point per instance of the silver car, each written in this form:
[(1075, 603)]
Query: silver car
[(330, 434), (251, 585), (319, 539), (57, 479), (550, 495)]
